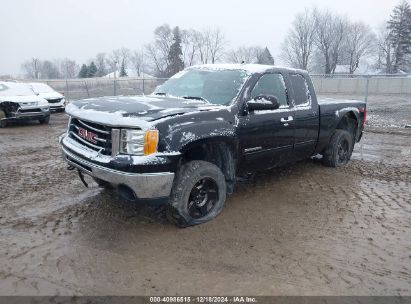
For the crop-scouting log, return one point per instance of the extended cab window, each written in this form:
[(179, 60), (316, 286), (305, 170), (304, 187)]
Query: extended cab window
[(301, 91), (271, 84)]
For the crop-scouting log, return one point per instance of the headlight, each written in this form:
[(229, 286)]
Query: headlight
[(43, 103), (138, 142)]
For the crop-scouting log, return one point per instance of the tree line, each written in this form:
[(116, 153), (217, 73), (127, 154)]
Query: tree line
[(171, 50), (318, 41)]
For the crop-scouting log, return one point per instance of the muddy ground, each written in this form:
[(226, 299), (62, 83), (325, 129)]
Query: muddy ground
[(301, 230)]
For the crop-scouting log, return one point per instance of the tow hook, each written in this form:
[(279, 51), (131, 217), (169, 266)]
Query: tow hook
[(70, 168), (81, 175)]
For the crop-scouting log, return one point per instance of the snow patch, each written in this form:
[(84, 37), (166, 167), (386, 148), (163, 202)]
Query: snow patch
[(187, 136)]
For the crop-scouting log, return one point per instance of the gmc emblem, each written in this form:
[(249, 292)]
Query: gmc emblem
[(87, 135)]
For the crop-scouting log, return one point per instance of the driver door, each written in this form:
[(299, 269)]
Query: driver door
[(266, 136)]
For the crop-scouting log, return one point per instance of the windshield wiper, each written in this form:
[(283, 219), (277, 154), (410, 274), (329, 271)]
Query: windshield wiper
[(195, 98), (160, 93)]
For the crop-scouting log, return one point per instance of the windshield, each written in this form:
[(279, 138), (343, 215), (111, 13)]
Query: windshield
[(215, 86), (15, 89), (41, 88)]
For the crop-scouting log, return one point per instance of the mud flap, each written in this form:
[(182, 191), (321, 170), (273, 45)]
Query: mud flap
[(81, 175)]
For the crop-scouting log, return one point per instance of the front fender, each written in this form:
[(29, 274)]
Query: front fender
[(180, 136)]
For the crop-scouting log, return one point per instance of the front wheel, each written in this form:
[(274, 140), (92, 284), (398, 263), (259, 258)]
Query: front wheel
[(45, 121), (339, 149), (198, 194)]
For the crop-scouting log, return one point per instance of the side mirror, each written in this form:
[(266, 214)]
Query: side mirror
[(263, 102)]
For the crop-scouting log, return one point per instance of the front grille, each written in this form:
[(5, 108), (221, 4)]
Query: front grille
[(54, 100), (30, 110), (101, 142)]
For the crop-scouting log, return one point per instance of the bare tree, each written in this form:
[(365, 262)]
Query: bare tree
[(158, 50), (330, 31), (32, 68), (359, 41), (216, 44), (210, 45), (69, 68), (125, 56), (298, 46), (137, 62), (113, 59), (49, 70), (201, 45), (386, 51), (100, 62), (244, 54), (189, 46)]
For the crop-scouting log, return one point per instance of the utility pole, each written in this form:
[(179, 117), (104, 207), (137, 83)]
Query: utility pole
[(142, 69), (367, 85), (115, 71), (67, 88)]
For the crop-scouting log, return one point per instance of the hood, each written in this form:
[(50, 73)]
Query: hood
[(23, 98), (51, 95), (134, 110)]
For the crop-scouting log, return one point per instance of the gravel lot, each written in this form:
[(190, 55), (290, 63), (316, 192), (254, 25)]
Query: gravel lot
[(300, 230)]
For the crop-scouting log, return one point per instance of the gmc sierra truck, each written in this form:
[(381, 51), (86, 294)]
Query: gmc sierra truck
[(186, 143)]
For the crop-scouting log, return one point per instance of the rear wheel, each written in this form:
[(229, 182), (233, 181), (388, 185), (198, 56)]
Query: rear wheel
[(339, 149), (198, 194), (45, 121), (3, 122)]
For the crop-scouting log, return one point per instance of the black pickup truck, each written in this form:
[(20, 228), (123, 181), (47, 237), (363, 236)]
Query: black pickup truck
[(186, 143)]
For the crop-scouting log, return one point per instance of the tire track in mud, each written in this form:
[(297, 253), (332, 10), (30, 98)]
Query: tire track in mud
[(304, 229)]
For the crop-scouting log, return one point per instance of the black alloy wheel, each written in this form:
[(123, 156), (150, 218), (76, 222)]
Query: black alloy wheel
[(203, 198)]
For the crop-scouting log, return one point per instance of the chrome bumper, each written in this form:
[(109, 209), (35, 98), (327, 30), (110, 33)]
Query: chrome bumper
[(144, 185)]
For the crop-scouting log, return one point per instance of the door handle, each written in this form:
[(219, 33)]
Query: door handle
[(287, 119)]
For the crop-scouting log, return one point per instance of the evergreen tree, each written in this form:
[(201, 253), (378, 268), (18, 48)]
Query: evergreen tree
[(400, 35), (83, 72), (123, 72), (265, 57), (92, 70), (175, 61)]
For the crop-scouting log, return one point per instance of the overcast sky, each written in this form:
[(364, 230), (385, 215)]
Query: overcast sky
[(78, 29)]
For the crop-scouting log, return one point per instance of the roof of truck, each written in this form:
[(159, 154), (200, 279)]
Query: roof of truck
[(251, 68)]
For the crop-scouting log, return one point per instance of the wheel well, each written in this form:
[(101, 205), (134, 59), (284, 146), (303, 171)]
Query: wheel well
[(349, 123), (7, 107), (218, 153)]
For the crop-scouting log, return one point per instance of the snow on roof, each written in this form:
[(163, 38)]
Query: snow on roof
[(250, 68)]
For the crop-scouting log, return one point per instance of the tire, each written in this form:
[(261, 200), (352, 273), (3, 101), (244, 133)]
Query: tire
[(45, 121), (339, 149), (103, 184), (3, 122), (198, 194)]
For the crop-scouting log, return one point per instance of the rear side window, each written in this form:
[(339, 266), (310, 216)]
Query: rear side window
[(271, 84), (302, 94)]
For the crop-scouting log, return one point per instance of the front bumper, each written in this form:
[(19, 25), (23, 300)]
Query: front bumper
[(54, 107), (29, 113), (144, 185)]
